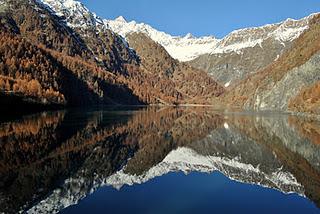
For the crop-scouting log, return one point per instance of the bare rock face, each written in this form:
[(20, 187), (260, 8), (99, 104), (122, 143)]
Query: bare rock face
[(244, 52), (230, 68), (280, 93), (280, 84)]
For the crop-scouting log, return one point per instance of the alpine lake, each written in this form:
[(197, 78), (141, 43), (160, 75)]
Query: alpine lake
[(159, 160)]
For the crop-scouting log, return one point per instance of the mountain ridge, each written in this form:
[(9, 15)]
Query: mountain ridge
[(211, 44), (273, 87)]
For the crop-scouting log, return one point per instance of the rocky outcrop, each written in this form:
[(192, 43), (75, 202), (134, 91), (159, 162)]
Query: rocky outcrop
[(230, 68), (246, 51), (279, 94), (273, 87)]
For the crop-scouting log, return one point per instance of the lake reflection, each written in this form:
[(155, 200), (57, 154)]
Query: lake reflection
[(88, 159)]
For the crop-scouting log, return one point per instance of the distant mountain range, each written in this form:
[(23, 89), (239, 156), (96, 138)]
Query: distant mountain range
[(120, 62), (188, 48), (227, 60)]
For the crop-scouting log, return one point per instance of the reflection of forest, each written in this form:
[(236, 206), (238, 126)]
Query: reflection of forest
[(39, 152), (34, 162)]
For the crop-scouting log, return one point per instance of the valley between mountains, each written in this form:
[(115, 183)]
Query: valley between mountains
[(58, 53)]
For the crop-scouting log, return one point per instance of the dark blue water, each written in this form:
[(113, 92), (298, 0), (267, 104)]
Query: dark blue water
[(192, 193)]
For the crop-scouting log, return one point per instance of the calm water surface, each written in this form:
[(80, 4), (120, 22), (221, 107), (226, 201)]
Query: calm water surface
[(159, 160)]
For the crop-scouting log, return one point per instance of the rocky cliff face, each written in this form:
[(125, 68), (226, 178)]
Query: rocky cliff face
[(279, 95), (246, 51), (278, 85)]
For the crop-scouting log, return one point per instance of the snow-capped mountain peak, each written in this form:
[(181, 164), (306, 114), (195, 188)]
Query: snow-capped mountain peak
[(188, 47), (121, 19), (182, 48), (75, 13), (282, 32), (189, 36)]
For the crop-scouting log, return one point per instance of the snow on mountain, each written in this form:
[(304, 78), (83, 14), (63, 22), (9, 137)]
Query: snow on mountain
[(189, 47), (78, 17), (75, 13), (283, 32), (187, 160), (182, 48)]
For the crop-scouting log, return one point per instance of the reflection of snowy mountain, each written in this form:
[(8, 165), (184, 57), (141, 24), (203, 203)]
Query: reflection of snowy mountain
[(182, 159), (187, 160)]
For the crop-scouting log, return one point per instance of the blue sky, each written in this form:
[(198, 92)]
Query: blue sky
[(203, 17)]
